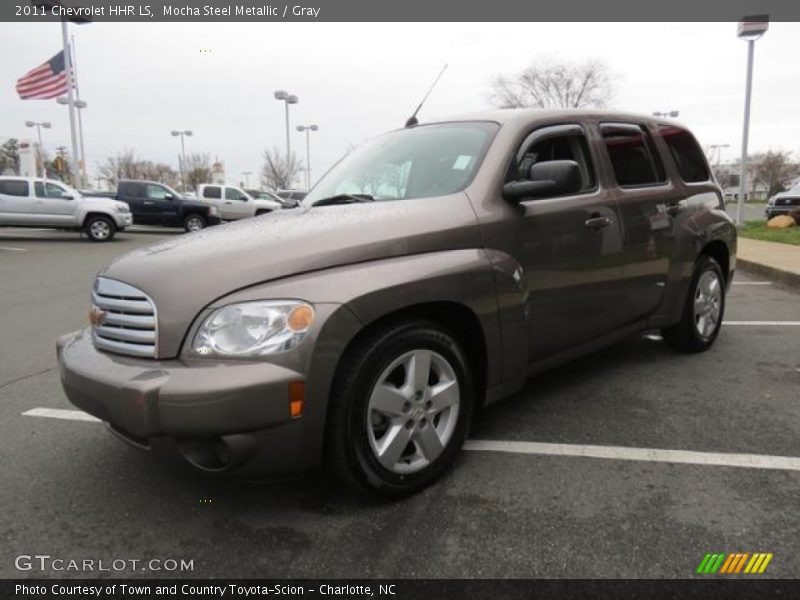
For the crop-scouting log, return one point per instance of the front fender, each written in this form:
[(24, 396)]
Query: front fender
[(352, 297)]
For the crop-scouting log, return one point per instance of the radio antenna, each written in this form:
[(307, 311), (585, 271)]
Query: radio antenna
[(412, 120)]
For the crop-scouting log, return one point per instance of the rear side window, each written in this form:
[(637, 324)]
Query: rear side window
[(633, 155), (131, 189), (686, 153), (14, 187), (212, 191)]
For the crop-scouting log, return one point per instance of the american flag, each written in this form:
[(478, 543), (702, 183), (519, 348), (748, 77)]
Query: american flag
[(48, 80)]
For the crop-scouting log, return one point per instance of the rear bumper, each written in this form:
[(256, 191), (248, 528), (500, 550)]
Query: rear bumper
[(170, 404)]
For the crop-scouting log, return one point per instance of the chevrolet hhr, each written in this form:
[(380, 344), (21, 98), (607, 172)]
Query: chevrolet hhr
[(428, 273)]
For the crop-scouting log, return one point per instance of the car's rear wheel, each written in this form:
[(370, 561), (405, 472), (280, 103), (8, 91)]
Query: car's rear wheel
[(194, 223), (703, 311), (400, 409), (100, 229)]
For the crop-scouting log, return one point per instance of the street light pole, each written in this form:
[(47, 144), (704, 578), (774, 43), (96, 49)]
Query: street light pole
[(182, 134), (750, 29), (308, 129), (39, 125), (288, 99)]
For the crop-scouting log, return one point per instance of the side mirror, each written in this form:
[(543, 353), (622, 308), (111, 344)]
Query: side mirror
[(169, 196), (67, 197), (550, 178)]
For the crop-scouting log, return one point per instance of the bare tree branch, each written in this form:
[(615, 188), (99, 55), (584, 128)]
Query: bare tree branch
[(548, 83), (279, 170)]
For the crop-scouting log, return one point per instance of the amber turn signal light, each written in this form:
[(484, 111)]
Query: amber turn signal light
[(300, 318), (297, 398)]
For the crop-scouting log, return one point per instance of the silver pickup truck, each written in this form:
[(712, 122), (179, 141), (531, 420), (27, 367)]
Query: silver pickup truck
[(33, 202), (233, 203)]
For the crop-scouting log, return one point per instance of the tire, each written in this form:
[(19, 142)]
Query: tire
[(99, 228), (194, 223), (703, 309), (370, 378)]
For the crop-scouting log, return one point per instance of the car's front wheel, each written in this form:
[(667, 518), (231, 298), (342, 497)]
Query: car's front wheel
[(703, 311), (100, 229), (400, 408), (194, 223)]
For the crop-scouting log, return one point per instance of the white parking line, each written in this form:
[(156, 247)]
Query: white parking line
[(58, 413), (752, 283), (10, 249), (764, 323), (717, 459), (750, 461)]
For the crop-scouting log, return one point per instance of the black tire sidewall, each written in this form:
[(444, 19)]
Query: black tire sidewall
[(111, 226), (687, 330), (193, 216), (366, 468)]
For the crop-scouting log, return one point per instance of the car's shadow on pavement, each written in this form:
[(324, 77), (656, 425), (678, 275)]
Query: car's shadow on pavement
[(317, 492)]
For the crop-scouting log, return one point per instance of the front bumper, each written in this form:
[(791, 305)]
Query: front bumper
[(148, 401), (123, 220)]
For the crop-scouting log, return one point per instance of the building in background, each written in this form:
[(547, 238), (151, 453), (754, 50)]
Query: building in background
[(218, 172)]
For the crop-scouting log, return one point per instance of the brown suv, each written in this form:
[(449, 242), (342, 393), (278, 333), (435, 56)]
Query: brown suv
[(429, 272)]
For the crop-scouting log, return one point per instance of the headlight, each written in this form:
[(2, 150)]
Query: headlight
[(122, 208), (254, 328)]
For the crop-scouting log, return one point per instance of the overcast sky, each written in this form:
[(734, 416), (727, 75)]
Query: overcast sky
[(354, 81)]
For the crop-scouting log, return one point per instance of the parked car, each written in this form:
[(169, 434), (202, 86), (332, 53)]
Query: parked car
[(783, 203), (233, 203), (292, 195), (34, 202), (428, 273), (154, 203), (264, 195)]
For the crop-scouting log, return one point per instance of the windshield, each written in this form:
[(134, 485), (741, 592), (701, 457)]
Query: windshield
[(430, 160)]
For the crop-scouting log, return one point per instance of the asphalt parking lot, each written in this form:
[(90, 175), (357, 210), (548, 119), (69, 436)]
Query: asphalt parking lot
[(71, 490)]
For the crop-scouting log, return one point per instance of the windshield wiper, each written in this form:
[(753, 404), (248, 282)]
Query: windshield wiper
[(343, 199)]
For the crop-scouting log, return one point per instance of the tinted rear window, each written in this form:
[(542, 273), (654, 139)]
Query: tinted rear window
[(632, 155), (14, 187), (212, 191), (686, 153)]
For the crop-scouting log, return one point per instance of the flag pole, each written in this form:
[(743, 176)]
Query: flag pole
[(73, 58), (70, 102)]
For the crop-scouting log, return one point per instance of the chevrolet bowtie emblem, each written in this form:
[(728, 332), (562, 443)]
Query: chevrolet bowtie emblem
[(96, 316)]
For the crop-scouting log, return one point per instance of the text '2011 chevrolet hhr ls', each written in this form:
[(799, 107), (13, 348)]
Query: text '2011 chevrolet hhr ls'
[(428, 273)]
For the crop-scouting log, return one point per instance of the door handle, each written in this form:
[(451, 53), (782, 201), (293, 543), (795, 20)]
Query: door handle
[(674, 209), (146, 203), (229, 203), (598, 222)]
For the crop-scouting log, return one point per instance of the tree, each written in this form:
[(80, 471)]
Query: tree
[(279, 170), (773, 170), (9, 157), (198, 169), (126, 165), (549, 83)]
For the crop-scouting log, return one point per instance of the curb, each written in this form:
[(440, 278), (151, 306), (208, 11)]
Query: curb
[(786, 277)]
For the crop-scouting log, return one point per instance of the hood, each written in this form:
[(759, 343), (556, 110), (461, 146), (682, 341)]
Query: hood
[(185, 273)]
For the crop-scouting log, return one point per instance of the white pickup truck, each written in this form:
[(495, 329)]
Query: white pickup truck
[(234, 203), (34, 202)]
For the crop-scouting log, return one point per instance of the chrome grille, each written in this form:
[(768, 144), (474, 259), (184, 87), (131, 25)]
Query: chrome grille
[(128, 324)]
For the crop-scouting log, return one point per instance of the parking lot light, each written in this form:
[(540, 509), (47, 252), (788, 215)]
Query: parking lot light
[(750, 29), (308, 129), (287, 99), (182, 135)]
